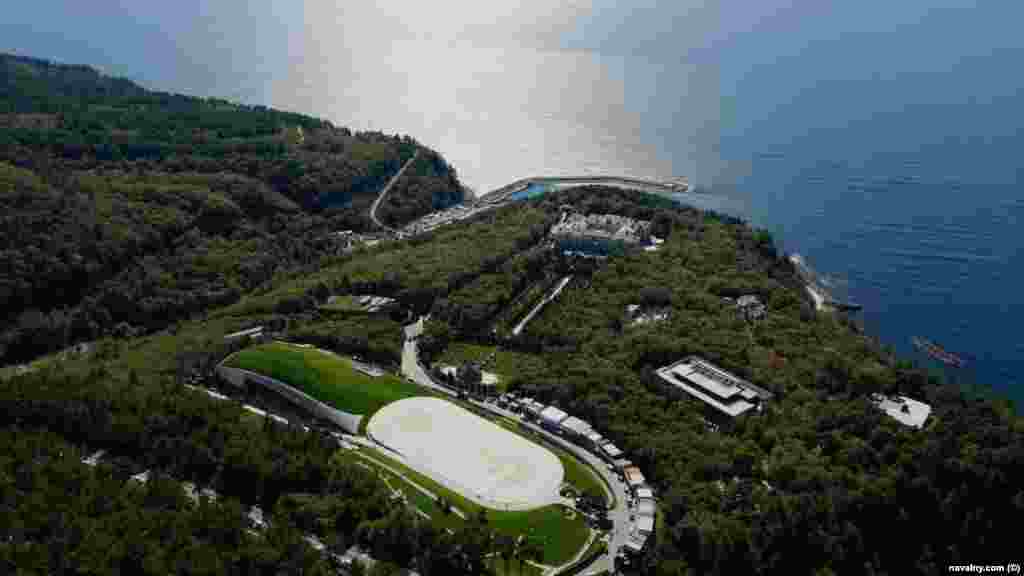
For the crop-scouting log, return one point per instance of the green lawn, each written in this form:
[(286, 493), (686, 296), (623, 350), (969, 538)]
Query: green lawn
[(460, 352), (505, 363), (579, 474), (497, 564), (562, 536), (343, 303), (325, 376)]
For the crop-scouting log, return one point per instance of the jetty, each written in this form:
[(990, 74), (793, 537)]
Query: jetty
[(507, 194)]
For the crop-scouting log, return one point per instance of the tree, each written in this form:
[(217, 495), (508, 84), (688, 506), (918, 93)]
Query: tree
[(469, 376), (655, 296)]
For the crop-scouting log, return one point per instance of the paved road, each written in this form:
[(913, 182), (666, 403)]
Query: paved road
[(411, 366), (502, 196), (544, 302), (387, 187), (618, 492)]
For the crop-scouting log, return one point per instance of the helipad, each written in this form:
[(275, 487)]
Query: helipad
[(466, 453)]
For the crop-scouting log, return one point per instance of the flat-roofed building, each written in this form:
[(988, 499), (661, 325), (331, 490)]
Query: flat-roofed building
[(634, 477), (635, 544), (575, 427), (531, 407), (595, 440), (599, 233), (551, 417), (611, 451), (645, 507), (724, 393), (906, 411), (645, 492), (645, 525)]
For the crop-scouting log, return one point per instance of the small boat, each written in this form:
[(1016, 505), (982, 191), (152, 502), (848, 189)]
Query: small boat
[(938, 352)]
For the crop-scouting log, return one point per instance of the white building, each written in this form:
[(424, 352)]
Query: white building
[(576, 427), (611, 451), (645, 507), (645, 525), (621, 464), (596, 440), (722, 391), (551, 417), (907, 411), (531, 407)]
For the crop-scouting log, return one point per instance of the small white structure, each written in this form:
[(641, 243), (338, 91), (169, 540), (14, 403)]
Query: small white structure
[(645, 492), (193, 495), (596, 440), (256, 517), (645, 507), (552, 416), (611, 450), (621, 464), (532, 407), (635, 544), (645, 525), (576, 427), (907, 411), (94, 459), (250, 333)]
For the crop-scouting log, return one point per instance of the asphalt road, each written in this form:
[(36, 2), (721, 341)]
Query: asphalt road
[(384, 191)]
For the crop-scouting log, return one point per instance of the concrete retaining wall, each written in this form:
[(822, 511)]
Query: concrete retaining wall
[(239, 377)]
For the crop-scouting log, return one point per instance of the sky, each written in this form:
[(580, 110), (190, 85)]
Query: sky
[(228, 48)]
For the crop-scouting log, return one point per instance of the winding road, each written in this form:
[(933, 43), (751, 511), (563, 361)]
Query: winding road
[(384, 192)]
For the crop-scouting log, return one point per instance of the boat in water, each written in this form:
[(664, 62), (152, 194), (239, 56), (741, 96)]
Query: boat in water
[(938, 352)]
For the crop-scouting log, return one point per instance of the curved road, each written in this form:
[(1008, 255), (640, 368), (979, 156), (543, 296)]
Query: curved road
[(619, 515), (387, 187), (503, 196)]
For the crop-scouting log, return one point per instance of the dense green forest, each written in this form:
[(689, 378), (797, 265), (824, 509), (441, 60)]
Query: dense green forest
[(156, 264), (822, 480), (126, 210)]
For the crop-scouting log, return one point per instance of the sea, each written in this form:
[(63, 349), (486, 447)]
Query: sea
[(883, 141)]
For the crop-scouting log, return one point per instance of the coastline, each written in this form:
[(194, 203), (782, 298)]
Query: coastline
[(819, 295)]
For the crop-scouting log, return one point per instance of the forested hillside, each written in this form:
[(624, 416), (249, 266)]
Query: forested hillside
[(124, 210), (157, 224), (818, 484)]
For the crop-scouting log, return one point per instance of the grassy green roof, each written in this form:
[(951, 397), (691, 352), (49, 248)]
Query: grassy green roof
[(325, 376)]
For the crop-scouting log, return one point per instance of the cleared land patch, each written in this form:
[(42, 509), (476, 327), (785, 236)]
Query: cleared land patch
[(324, 376), (490, 465)]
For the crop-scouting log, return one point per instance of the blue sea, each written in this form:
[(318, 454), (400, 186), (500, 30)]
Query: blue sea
[(884, 141)]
